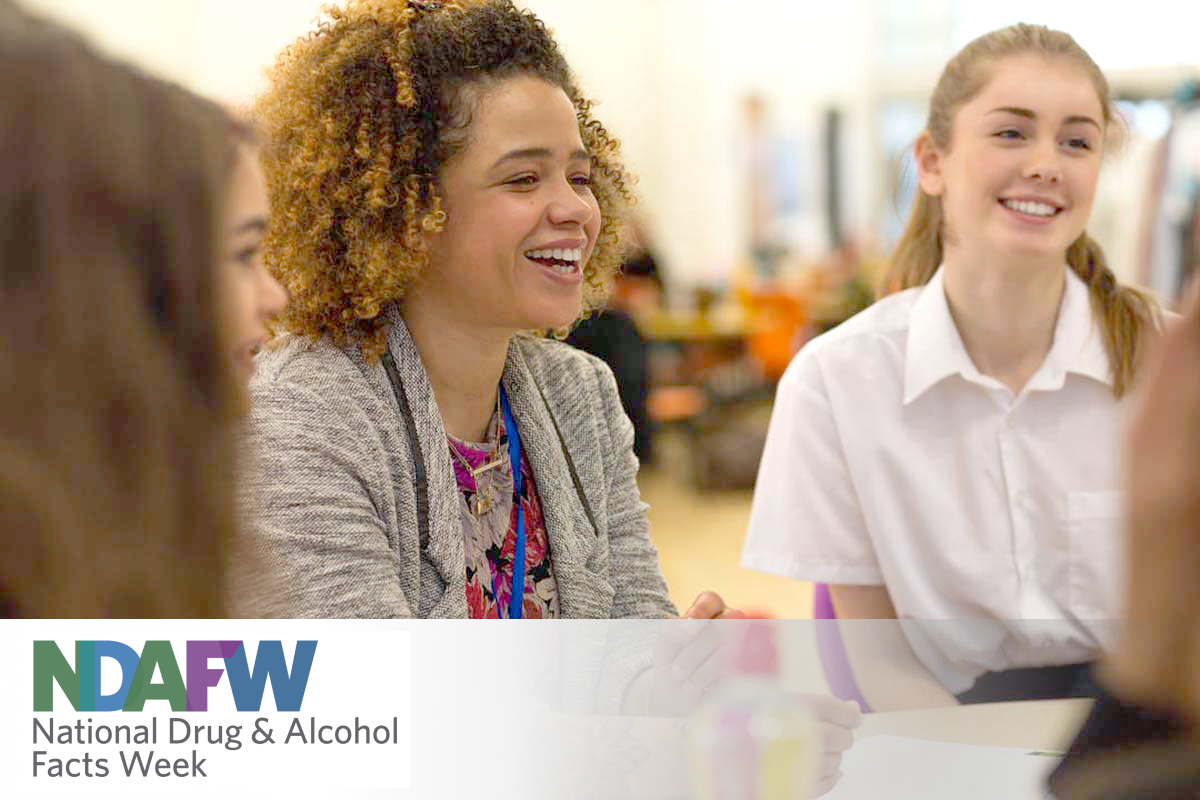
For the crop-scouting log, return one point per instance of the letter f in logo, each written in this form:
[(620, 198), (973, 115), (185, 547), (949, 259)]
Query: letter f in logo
[(199, 675)]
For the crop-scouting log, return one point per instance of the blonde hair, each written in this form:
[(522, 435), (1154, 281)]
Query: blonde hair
[(1126, 314)]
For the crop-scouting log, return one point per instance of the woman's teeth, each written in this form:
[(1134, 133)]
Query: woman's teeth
[(563, 260), (573, 254), (1032, 208)]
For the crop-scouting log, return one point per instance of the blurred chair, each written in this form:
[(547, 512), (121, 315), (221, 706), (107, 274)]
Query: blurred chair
[(832, 650)]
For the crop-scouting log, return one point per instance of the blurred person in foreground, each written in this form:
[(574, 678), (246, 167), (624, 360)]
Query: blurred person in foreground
[(128, 300), (1143, 737)]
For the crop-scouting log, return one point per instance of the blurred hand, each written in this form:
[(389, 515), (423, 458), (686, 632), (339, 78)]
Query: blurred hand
[(835, 721), (710, 605), (687, 656), (689, 660), (1157, 659)]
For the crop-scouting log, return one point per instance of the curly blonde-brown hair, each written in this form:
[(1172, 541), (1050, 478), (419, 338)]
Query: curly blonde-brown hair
[(360, 116)]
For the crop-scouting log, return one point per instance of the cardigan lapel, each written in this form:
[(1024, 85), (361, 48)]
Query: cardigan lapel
[(444, 549), (583, 594)]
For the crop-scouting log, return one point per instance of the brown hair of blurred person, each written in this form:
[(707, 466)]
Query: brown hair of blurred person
[(118, 407)]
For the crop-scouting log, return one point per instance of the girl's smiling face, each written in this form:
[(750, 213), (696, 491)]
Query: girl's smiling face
[(1019, 175)]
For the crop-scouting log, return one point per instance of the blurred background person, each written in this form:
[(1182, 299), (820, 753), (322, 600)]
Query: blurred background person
[(612, 335), (123, 322)]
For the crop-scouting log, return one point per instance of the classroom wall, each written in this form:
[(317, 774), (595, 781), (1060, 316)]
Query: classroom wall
[(669, 77)]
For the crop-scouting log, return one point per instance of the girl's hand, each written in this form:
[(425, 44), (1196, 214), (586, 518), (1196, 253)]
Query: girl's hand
[(835, 721)]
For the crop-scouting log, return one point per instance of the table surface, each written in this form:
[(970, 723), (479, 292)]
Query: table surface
[(696, 327), (663, 769), (1036, 724)]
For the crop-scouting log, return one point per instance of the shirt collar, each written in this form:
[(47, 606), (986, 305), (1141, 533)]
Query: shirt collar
[(934, 350), (1078, 345)]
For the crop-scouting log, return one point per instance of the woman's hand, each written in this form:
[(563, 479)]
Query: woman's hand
[(710, 605), (1157, 659), (687, 656), (688, 661)]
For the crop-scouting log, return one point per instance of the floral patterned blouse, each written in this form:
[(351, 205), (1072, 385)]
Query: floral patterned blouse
[(489, 523)]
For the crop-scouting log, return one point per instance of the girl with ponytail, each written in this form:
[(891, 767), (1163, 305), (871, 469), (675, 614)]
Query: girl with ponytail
[(950, 453)]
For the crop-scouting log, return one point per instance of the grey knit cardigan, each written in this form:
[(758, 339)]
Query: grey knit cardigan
[(355, 503)]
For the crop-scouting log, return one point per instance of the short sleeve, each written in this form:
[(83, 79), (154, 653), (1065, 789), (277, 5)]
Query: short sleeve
[(806, 521)]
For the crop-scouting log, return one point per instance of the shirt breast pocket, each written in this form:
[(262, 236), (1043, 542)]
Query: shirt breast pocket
[(1096, 562)]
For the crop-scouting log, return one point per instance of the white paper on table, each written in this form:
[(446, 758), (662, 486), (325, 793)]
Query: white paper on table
[(883, 767)]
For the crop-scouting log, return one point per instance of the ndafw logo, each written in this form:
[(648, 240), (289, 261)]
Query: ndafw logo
[(81, 683)]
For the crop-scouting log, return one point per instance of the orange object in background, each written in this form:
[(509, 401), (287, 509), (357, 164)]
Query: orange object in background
[(779, 319), (667, 404), (757, 613)]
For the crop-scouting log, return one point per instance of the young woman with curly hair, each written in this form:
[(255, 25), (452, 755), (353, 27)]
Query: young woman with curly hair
[(950, 454), (440, 194)]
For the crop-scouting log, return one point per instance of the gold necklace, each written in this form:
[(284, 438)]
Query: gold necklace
[(482, 468), (495, 460), (482, 504)]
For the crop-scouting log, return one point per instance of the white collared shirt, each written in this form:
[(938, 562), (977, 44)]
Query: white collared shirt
[(892, 460)]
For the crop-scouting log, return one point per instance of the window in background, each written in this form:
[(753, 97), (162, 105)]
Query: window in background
[(900, 120), (1161, 33)]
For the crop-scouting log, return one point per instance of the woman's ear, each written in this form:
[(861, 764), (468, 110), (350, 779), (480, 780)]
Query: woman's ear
[(929, 165)]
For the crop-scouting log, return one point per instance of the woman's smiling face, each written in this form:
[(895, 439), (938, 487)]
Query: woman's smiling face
[(522, 220), (1019, 175)]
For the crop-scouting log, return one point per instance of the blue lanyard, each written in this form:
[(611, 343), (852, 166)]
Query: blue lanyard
[(517, 600)]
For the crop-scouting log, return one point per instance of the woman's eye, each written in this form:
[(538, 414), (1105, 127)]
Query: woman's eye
[(1079, 143), (247, 256), (523, 180), (1008, 133), (582, 180)]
